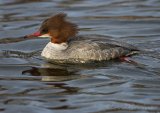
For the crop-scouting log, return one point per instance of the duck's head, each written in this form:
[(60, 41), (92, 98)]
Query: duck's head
[(57, 28)]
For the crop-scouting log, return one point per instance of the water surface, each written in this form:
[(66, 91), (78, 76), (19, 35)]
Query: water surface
[(28, 84)]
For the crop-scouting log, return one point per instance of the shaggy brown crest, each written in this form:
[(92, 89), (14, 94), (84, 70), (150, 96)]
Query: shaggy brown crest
[(58, 28)]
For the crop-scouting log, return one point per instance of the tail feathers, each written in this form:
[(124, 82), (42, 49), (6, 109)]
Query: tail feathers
[(133, 53)]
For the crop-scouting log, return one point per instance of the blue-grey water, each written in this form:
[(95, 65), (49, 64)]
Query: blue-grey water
[(31, 85)]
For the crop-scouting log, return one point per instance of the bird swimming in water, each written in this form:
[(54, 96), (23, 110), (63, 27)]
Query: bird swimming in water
[(66, 46)]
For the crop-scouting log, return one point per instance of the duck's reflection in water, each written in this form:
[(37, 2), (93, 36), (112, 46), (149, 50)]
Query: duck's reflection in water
[(55, 79), (49, 73)]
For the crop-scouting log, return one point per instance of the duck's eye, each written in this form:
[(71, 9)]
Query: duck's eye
[(44, 31)]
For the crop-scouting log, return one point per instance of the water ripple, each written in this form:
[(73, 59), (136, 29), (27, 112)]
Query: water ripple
[(30, 85)]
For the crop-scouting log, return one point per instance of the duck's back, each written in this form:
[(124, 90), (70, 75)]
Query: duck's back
[(92, 48)]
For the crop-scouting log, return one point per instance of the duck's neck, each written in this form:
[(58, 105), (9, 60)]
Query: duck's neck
[(61, 46)]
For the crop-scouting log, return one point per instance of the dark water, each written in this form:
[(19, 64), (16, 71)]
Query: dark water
[(30, 85)]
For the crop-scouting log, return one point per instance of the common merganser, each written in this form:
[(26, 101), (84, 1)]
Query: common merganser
[(68, 47)]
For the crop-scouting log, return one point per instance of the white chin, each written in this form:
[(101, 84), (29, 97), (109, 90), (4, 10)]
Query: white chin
[(45, 35)]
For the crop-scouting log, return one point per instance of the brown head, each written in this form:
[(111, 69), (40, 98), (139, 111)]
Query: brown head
[(59, 29)]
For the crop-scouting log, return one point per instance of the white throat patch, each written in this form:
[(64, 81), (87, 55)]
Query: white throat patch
[(61, 46), (45, 35)]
